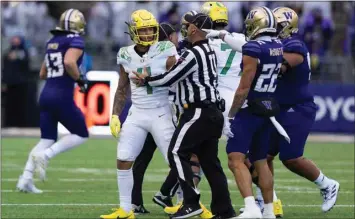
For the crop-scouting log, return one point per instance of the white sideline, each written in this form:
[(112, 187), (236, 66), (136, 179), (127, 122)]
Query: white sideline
[(314, 137), (153, 205)]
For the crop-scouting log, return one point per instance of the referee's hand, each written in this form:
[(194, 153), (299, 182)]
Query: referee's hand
[(139, 78)]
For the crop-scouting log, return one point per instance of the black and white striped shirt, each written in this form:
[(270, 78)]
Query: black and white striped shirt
[(194, 75)]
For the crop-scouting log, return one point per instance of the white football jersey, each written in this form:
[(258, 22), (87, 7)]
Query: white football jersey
[(228, 64), (155, 63)]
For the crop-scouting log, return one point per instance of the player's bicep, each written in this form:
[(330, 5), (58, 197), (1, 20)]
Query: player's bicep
[(250, 65), (72, 56), (123, 82), (293, 59)]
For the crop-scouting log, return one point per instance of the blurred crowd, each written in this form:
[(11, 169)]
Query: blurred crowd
[(327, 27)]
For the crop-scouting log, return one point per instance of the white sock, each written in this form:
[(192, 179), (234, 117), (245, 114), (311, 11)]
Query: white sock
[(42, 145), (322, 181), (250, 202), (275, 197), (268, 209), (179, 195), (65, 143), (259, 194), (125, 186)]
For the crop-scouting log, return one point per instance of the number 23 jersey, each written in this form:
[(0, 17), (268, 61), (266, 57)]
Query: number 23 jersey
[(155, 63), (228, 64), (59, 84)]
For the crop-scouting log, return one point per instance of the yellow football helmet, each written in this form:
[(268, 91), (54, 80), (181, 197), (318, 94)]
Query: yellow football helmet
[(287, 21), (259, 20), (217, 11), (142, 19), (72, 20), (184, 23)]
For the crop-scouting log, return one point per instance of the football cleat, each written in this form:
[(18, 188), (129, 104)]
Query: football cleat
[(26, 185), (140, 209), (163, 201), (278, 208), (206, 214), (173, 209), (330, 195), (258, 202), (253, 212), (187, 211), (119, 213), (41, 162)]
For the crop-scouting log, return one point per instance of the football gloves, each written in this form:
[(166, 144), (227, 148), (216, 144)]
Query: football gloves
[(115, 126), (82, 83), (214, 33)]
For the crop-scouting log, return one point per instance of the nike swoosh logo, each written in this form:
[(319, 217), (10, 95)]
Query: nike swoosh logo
[(161, 115)]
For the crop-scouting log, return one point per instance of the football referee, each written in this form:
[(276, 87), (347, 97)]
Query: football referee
[(200, 125)]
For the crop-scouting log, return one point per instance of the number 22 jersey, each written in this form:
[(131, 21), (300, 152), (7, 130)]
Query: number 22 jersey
[(269, 53), (59, 85)]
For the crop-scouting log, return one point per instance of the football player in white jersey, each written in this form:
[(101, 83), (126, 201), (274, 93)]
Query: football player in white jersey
[(228, 60), (150, 110)]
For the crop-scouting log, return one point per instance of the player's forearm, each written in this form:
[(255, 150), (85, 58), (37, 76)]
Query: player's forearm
[(177, 73), (72, 69), (238, 101), (43, 72), (119, 101)]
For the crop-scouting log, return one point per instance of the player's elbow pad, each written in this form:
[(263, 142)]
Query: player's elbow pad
[(235, 41)]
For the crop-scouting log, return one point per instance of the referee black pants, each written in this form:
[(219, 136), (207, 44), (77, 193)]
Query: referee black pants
[(198, 132)]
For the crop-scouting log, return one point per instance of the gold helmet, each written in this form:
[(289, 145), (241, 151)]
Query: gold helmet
[(259, 20), (287, 21), (72, 20), (141, 19), (217, 11), (184, 23)]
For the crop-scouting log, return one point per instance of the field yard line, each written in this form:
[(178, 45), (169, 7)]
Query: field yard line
[(147, 179), (152, 205), (294, 190), (108, 171)]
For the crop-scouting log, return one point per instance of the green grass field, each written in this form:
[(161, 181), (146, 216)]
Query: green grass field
[(82, 183)]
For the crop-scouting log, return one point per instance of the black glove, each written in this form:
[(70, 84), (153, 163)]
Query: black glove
[(82, 83)]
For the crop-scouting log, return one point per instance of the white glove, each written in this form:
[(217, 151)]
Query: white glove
[(214, 33), (227, 129)]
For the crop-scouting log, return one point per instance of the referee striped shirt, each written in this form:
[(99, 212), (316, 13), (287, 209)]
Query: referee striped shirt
[(194, 75)]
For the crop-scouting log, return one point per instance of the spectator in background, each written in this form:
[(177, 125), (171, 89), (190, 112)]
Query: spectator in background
[(16, 78), (171, 16), (352, 37), (317, 35)]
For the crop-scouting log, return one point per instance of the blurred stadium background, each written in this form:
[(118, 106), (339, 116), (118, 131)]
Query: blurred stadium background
[(328, 28)]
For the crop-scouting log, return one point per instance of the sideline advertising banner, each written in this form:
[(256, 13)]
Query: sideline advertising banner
[(335, 114), (336, 108)]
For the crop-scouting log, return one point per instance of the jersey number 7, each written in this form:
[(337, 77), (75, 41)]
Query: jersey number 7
[(225, 47), (149, 88)]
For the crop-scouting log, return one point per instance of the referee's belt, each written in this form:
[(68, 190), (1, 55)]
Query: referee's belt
[(201, 104)]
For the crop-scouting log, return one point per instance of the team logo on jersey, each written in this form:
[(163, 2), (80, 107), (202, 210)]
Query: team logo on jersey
[(267, 104)]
